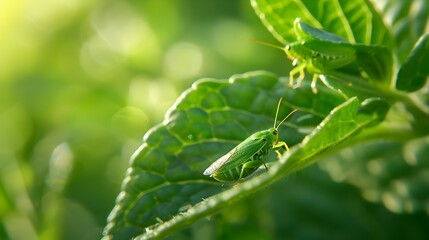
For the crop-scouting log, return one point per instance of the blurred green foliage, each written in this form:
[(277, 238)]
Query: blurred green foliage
[(80, 83)]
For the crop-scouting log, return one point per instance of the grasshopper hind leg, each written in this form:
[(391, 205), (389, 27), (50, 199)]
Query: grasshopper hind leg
[(253, 166)]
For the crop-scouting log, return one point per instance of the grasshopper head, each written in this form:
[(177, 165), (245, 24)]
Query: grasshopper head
[(274, 135), (295, 51), (289, 52)]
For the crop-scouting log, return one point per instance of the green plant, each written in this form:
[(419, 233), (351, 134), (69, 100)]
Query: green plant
[(372, 135)]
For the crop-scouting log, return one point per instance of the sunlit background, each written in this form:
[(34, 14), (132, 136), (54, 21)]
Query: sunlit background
[(82, 81)]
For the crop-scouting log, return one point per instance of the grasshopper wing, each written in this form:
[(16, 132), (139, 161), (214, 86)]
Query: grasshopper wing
[(218, 163)]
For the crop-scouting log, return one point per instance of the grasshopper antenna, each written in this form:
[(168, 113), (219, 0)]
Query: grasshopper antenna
[(277, 111), (266, 44), (284, 119)]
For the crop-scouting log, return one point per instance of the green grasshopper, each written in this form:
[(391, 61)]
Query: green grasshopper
[(248, 156), (322, 53)]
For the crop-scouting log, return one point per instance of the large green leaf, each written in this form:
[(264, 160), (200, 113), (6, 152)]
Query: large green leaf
[(414, 73), (206, 121), (356, 21), (343, 122)]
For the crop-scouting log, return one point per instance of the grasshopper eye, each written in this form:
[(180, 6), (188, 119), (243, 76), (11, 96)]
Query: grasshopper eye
[(287, 47), (275, 131)]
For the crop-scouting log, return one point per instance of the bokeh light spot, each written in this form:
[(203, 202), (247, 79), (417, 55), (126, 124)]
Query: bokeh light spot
[(183, 60)]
